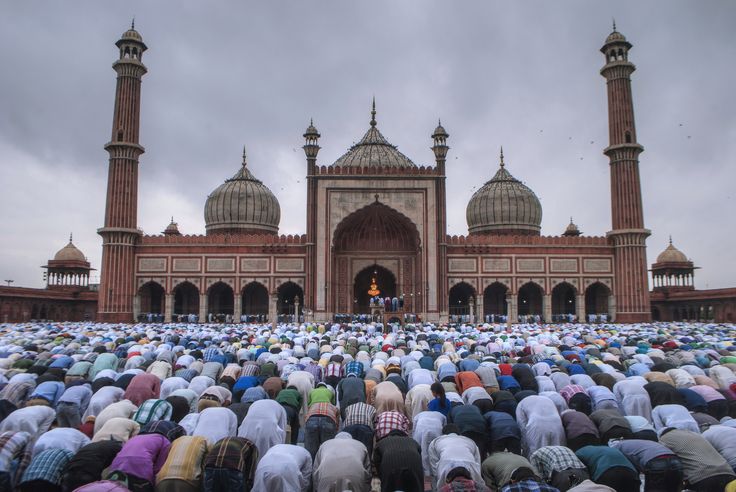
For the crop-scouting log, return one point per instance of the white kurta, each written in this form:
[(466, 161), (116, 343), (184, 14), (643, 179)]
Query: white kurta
[(417, 399), (427, 427), (264, 426), (216, 423), (633, 399), (452, 451), (103, 397), (61, 438), (540, 424), (34, 420), (342, 464), (284, 468)]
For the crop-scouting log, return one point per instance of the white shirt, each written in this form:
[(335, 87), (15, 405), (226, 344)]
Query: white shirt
[(427, 426), (723, 438), (677, 416), (34, 420), (62, 438), (104, 396)]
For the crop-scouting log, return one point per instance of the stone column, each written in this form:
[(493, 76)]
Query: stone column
[(479, 311), (168, 307), (547, 308), (296, 310), (237, 309), (512, 309), (612, 308), (580, 307), (272, 308), (136, 307), (203, 308)]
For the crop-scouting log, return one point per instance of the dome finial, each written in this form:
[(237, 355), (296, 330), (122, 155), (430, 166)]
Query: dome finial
[(70, 237), (571, 220), (670, 239), (373, 112), (614, 24), (502, 163), (245, 157), (132, 24)]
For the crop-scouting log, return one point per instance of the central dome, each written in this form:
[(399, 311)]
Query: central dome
[(374, 150), (504, 205), (242, 204)]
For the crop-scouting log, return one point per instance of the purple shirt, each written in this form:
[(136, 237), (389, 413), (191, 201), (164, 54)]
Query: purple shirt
[(142, 456)]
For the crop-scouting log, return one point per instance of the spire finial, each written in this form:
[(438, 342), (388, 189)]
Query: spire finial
[(502, 163), (172, 219), (670, 239), (70, 237), (132, 24), (571, 219), (614, 24), (244, 157), (373, 112), (311, 122), (439, 122)]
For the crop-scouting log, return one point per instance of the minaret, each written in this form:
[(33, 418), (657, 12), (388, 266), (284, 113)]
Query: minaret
[(440, 148), (628, 234), (311, 149), (120, 232)]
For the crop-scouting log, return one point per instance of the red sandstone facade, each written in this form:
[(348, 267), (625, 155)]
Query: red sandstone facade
[(376, 218)]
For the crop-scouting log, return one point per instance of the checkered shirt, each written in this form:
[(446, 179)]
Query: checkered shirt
[(316, 371), (554, 458), (359, 414), (354, 367), (391, 421), (326, 409), (151, 410), (571, 390), (48, 465), (233, 453)]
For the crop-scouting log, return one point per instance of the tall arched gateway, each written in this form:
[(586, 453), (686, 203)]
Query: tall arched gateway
[(377, 243)]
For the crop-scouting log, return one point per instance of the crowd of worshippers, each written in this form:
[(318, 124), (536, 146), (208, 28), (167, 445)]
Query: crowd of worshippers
[(361, 407)]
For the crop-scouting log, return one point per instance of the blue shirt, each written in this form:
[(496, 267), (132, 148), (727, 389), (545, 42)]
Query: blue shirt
[(434, 406)]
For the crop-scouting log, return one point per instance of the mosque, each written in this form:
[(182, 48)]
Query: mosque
[(376, 242)]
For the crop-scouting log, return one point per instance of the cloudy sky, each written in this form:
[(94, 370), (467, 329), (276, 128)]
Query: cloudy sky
[(524, 75)]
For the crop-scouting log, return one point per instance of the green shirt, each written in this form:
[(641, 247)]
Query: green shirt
[(321, 395), (291, 397)]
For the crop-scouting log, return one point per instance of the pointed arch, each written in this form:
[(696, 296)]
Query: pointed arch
[(186, 299), (494, 300), (530, 299), (289, 295), (220, 299), (254, 302), (376, 226), (564, 299), (461, 299), (597, 299), (151, 295)]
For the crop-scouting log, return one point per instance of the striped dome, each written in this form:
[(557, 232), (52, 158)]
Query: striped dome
[(504, 205), (242, 204)]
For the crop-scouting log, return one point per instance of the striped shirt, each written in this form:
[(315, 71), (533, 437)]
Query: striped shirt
[(699, 458), (11, 444), (359, 414), (185, 460)]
